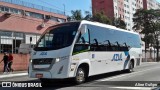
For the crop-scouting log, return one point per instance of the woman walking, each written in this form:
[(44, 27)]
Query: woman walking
[(10, 62)]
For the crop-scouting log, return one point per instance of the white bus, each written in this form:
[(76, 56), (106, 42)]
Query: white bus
[(82, 49)]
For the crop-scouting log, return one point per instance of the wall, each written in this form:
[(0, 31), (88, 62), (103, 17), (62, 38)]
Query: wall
[(20, 62), (103, 5)]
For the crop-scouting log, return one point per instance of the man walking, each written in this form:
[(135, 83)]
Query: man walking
[(5, 60)]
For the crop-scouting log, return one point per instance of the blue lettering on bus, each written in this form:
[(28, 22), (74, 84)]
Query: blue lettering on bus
[(117, 57), (43, 53)]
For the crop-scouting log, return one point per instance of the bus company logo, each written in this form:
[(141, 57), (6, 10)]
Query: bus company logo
[(117, 57), (43, 53)]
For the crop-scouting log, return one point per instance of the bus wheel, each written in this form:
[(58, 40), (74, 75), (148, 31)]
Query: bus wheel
[(80, 76), (130, 69)]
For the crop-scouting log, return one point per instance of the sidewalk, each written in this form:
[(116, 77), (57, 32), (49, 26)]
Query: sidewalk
[(148, 63), (13, 74)]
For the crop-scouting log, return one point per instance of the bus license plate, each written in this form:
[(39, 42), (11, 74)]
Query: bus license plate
[(39, 75)]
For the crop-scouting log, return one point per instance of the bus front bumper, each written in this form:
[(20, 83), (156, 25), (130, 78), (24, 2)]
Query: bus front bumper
[(40, 74)]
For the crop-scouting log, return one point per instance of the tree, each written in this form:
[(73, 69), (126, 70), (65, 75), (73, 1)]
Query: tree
[(147, 21), (69, 18), (76, 15), (88, 16), (101, 17), (118, 22)]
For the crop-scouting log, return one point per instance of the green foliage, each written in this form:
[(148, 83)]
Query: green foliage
[(76, 15), (88, 16), (98, 17), (118, 22), (101, 17), (148, 22)]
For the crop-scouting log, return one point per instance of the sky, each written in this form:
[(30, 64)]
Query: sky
[(83, 5)]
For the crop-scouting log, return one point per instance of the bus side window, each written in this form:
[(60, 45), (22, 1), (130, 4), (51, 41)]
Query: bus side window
[(94, 45)]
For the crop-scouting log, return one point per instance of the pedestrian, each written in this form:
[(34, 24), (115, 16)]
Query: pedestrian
[(5, 60), (10, 62)]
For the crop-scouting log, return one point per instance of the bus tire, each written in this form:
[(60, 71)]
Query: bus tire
[(130, 67), (80, 75)]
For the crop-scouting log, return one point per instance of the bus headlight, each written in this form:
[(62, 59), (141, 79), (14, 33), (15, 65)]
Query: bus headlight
[(62, 58), (31, 60), (57, 59)]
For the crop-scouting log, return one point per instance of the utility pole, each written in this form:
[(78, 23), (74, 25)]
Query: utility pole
[(64, 9)]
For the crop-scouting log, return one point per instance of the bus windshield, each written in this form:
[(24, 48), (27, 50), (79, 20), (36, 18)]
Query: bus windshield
[(57, 38)]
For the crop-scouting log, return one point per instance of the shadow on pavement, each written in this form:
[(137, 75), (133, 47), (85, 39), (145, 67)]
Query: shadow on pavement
[(58, 84)]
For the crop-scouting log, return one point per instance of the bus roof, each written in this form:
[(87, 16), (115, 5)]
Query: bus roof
[(106, 26)]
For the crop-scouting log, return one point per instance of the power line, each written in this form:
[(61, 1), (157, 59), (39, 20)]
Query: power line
[(56, 6), (50, 4)]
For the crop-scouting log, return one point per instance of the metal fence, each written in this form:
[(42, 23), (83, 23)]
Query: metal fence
[(30, 5), (151, 56)]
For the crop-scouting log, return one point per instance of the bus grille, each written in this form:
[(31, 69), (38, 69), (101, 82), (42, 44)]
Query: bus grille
[(42, 61)]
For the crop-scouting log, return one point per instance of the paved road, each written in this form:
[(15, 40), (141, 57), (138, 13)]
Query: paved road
[(144, 77)]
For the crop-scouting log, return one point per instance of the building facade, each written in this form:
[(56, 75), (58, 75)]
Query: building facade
[(151, 4), (20, 21), (123, 9)]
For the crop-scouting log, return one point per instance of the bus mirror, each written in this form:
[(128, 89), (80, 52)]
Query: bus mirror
[(83, 29)]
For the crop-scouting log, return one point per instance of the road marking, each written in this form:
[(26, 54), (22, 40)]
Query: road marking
[(13, 75), (119, 76), (134, 88)]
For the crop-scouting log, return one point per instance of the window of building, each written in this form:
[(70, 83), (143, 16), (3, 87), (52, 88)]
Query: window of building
[(116, 7), (61, 20), (15, 11), (4, 9), (54, 18), (125, 11), (10, 10), (119, 2), (10, 41), (36, 15), (119, 9)]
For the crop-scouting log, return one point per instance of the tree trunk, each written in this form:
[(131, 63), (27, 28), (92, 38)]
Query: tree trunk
[(145, 51), (157, 46)]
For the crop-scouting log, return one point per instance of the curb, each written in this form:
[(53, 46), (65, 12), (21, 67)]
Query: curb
[(13, 75)]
